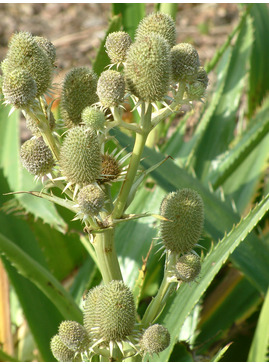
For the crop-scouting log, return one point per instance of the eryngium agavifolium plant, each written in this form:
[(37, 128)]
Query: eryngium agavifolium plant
[(154, 76)]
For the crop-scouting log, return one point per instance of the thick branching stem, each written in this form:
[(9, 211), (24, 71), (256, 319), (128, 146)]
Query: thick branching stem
[(106, 256), (140, 142)]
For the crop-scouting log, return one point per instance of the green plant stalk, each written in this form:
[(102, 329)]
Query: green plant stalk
[(158, 302), (45, 130), (140, 142), (106, 256)]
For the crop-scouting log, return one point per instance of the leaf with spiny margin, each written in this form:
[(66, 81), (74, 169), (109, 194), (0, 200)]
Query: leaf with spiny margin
[(180, 305), (258, 129), (42, 278), (17, 176), (250, 258), (102, 60), (259, 76), (260, 343), (220, 129)]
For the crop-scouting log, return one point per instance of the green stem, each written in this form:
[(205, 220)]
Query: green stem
[(44, 127), (140, 142), (106, 256), (158, 302)]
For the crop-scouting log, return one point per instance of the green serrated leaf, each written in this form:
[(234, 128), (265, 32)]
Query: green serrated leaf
[(260, 344), (18, 178), (179, 307), (259, 128), (41, 277), (259, 77), (220, 129)]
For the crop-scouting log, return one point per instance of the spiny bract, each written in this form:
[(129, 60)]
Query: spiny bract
[(158, 23), (74, 336), (117, 45), (60, 351), (148, 68), (111, 88), (80, 156), (19, 88), (91, 199), (78, 92), (185, 62), (36, 157), (188, 267), (115, 312), (24, 52), (184, 212), (155, 339)]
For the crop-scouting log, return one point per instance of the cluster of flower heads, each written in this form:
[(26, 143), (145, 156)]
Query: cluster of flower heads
[(109, 323)]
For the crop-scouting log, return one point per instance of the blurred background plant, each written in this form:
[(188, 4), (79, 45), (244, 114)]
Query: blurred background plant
[(220, 148)]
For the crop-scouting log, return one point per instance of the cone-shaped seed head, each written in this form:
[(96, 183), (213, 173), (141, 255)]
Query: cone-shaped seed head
[(185, 62), (111, 88), (24, 52), (148, 68), (158, 23), (78, 92), (91, 199), (117, 45), (110, 168), (114, 315), (19, 88), (117, 311), (90, 313), (155, 339), (188, 267), (60, 351), (36, 157), (202, 76), (93, 117), (80, 156), (196, 90), (47, 47), (185, 211), (74, 336)]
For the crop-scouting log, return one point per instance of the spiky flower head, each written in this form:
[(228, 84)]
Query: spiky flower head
[(60, 351), (110, 168), (78, 92), (74, 336), (93, 117), (188, 267), (91, 199), (111, 88), (185, 62), (36, 157), (114, 317), (155, 339), (158, 23), (47, 47), (202, 76), (117, 45), (148, 68), (90, 312), (184, 212), (19, 88), (25, 53), (80, 156)]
